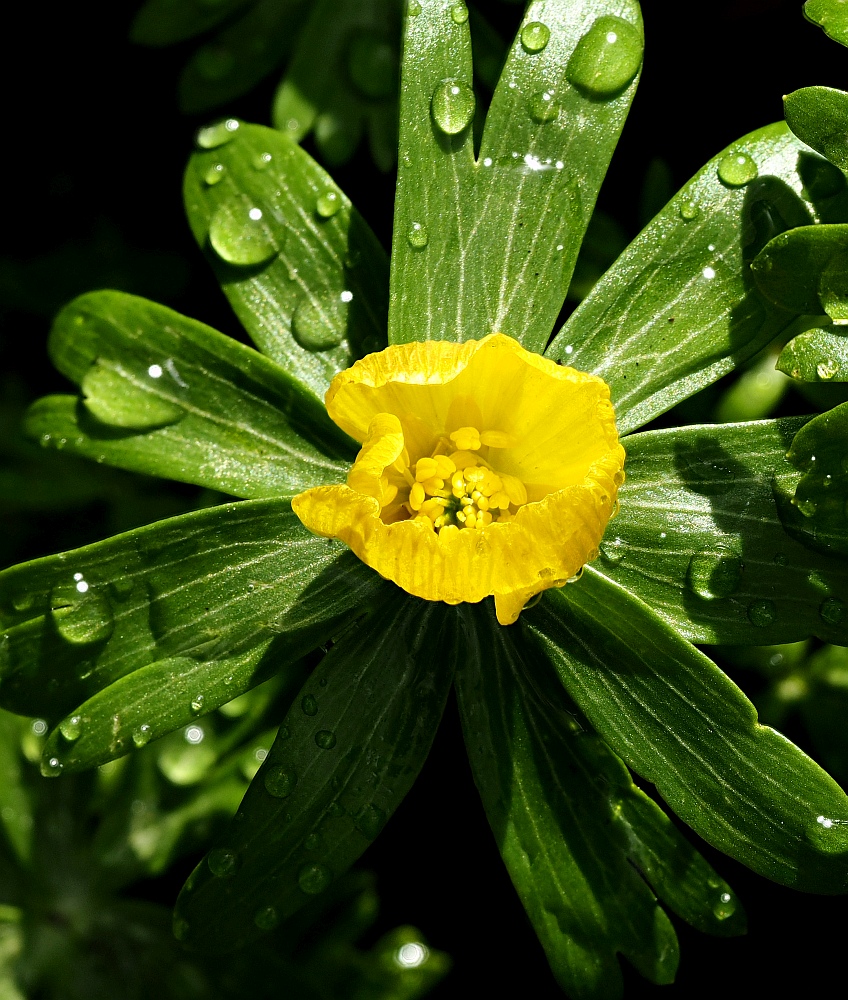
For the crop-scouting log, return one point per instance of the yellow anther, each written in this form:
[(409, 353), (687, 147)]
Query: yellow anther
[(444, 466), (462, 459), (505, 516), (499, 500), (474, 474), (460, 516), (433, 507), (466, 438), (482, 503), (425, 469), (466, 501), (498, 439), (433, 486), (416, 496), (483, 518), (389, 493), (514, 489), (458, 483)]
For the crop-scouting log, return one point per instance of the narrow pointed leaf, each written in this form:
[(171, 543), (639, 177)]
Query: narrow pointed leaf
[(302, 270), (348, 751), (679, 308), (682, 724), (239, 589), (16, 812), (813, 503), (241, 54), (700, 538), (790, 268), (572, 827), (489, 244), (343, 42), (163, 22), (166, 395), (819, 117), (819, 355)]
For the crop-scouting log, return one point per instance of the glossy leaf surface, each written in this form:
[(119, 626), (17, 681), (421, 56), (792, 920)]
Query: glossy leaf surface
[(306, 276), (790, 268), (831, 16), (819, 355), (166, 395), (682, 724), (679, 309), (346, 754), (489, 244), (16, 808), (817, 509), (344, 42), (700, 538), (205, 605), (241, 54), (819, 117), (580, 841)]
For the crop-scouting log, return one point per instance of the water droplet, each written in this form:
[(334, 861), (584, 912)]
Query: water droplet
[(312, 842), (762, 612), (459, 13), (737, 169), (81, 614), (316, 329), (613, 551), (535, 36), (543, 107), (832, 610), (452, 105), (217, 135), (212, 175), (335, 809), (370, 821), (240, 235), (714, 574), (71, 728), (266, 918), (806, 507), (709, 273), (222, 862), (413, 8), (725, 907), (689, 210), (283, 733), (314, 878), (325, 739), (262, 161), (309, 705), (141, 735), (417, 236), (328, 204), (197, 704), (606, 58), (280, 781), (827, 369), (181, 928), (51, 767), (372, 65)]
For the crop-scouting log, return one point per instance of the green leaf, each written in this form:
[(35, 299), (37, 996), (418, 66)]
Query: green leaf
[(813, 503), (156, 626), (831, 16), (682, 724), (790, 269), (242, 54), (755, 394), (700, 538), (162, 22), (489, 244), (577, 836), (348, 751), (819, 117), (344, 73), (166, 395), (16, 812), (678, 308), (818, 355), (306, 276)]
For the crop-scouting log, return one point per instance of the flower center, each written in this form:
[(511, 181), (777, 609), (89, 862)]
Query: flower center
[(456, 485)]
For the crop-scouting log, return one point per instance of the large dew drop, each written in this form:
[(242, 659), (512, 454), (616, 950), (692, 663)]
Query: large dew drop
[(606, 58), (714, 574), (280, 781), (81, 614), (737, 169), (122, 398), (317, 329), (543, 107), (452, 106), (217, 135), (222, 862), (314, 878), (535, 36), (240, 235), (762, 612), (417, 236)]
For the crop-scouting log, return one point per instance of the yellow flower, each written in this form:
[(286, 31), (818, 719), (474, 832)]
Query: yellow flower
[(484, 469)]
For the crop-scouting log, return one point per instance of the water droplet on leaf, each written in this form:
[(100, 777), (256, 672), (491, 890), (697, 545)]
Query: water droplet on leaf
[(325, 739), (51, 767), (418, 236), (309, 705), (262, 161), (81, 615), (459, 13), (762, 612), (314, 878), (266, 918), (613, 551), (725, 907), (370, 821), (328, 204), (714, 574), (832, 610), (197, 704), (222, 862), (316, 329), (280, 781), (452, 106), (214, 174), (141, 735), (689, 210), (737, 169), (71, 728), (606, 58), (217, 135), (543, 107), (535, 36), (240, 235)]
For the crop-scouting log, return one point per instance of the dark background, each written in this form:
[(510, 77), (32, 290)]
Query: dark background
[(94, 152)]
